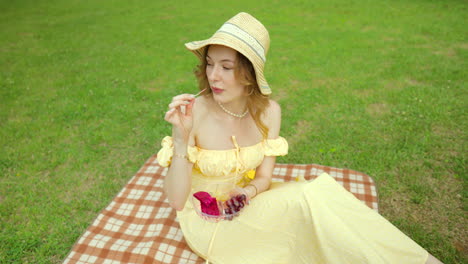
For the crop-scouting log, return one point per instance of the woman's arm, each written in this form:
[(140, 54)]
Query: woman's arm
[(177, 182), (264, 172)]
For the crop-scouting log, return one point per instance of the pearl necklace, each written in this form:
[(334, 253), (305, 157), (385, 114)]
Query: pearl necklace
[(231, 113)]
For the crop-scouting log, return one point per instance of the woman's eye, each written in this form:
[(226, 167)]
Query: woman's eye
[(227, 68)]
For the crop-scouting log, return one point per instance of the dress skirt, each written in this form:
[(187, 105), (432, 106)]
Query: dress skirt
[(301, 222)]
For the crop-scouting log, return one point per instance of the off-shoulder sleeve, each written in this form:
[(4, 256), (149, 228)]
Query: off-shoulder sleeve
[(192, 153), (167, 151), (275, 147)]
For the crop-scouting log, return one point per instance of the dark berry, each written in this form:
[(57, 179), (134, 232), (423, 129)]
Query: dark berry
[(241, 197), (235, 203)]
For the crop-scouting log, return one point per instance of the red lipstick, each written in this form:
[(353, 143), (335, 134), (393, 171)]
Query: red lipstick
[(216, 90)]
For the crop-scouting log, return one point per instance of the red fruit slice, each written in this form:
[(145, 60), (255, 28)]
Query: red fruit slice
[(209, 205)]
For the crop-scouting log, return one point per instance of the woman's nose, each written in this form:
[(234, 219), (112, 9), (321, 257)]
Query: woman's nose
[(214, 74)]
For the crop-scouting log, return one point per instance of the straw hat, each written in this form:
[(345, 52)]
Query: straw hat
[(245, 34)]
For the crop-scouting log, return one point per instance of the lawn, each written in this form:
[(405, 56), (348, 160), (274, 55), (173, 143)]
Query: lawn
[(375, 86)]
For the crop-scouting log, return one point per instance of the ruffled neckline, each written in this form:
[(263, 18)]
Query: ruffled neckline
[(223, 162), (231, 149)]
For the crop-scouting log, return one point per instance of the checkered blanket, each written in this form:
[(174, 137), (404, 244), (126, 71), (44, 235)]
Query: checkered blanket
[(139, 226)]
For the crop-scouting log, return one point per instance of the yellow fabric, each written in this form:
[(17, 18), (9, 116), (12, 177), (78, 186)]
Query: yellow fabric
[(222, 163), (292, 223), (220, 171)]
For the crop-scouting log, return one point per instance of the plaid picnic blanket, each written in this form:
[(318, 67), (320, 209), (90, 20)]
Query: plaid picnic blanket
[(139, 226)]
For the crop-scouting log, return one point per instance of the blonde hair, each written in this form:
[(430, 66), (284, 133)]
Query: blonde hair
[(256, 101)]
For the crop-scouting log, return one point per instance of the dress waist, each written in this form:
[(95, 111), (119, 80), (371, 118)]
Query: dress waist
[(217, 186)]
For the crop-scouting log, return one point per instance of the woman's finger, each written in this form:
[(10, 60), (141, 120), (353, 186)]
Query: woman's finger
[(183, 97), (169, 114), (175, 104), (188, 108)]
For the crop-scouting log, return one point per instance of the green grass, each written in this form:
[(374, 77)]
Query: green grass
[(375, 86)]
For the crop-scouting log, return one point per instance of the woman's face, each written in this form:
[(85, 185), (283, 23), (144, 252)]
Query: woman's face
[(220, 71)]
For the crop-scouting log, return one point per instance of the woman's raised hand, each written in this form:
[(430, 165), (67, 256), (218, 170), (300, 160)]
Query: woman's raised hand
[(180, 114)]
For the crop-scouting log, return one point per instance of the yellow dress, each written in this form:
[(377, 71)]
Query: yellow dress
[(291, 223)]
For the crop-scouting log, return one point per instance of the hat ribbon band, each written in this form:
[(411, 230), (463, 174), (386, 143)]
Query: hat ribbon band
[(245, 37)]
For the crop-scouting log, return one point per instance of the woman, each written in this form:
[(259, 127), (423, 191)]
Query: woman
[(221, 157)]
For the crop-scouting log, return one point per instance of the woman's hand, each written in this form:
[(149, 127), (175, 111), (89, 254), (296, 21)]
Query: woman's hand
[(180, 115)]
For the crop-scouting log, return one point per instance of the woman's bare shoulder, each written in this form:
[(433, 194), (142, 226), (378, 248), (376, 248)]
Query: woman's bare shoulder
[(201, 109), (272, 118), (202, 105), (273, 111)]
